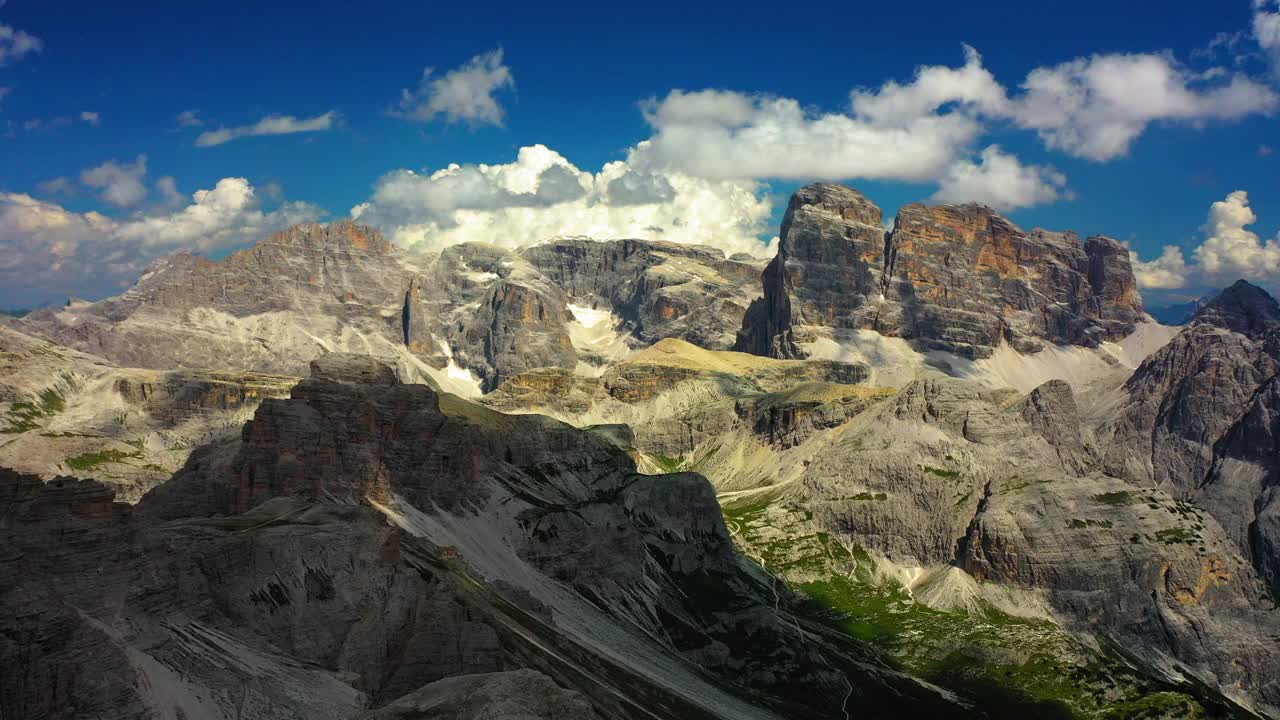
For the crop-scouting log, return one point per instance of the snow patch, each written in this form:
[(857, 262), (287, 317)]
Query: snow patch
[(454, 378), (594, 332), (480, 278)]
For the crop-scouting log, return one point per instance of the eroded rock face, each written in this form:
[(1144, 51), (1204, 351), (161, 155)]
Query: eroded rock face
[(961, 279), (828, 271), (1002, 486), (658, 289), (1196, 419), (1246, 466), (1242, 308), (63, 412), (1008, 490), (268, 309), (468, 319), (1199, 418), (486, 543)]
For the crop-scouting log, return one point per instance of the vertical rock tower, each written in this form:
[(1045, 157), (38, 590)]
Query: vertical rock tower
[(958, 278)]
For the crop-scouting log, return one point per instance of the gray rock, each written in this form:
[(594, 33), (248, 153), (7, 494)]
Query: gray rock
[(1240, 487), (1242, 308), (957, 278), (483, 542), (63, 412), (658, 289), (495, 313), (829, 269), (1196, 419)]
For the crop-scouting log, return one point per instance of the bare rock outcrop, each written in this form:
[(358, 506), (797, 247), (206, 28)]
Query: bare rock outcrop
[(1196, 419), (484, 543), (468, 319), (957, 278), (658, 289), (64, 412)]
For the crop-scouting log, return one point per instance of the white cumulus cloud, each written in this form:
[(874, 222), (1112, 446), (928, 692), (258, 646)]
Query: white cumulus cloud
[(724, 135), (542, 195), (1001, 181), (119, 184), (47, 251), (934, 86), (270, 125), (463, 94), (1229, 252), (1167, 272), (928, 129), (1097, 107), (226, 216), (924, 130)]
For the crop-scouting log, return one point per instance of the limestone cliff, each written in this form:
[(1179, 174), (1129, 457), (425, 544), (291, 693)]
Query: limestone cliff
[(365, 541), (468, 319), (960, 279)]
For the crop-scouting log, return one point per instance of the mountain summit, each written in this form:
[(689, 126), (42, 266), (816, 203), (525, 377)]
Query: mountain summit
[(1243, 308), (957, 278)]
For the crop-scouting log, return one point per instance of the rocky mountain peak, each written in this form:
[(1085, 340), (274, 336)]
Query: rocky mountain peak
[(1111, 275), (341, 236), (1244, 308), (834, 202), (957, 278)]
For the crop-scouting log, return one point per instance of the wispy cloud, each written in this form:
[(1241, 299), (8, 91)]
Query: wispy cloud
[(15, 44), (36, 124), (1266, 28), (463, 94), (189, 118), (270, 125), (57, 186)]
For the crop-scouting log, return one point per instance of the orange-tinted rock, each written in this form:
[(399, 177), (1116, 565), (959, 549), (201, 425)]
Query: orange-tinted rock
[(959, 278)]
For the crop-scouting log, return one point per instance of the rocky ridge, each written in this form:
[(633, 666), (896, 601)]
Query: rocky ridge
[(1196, 419), (959, 499), (489, 543), (960, 279), (67, 413), (466, 319)]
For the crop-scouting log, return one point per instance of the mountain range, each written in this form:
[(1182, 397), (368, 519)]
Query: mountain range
[(951, 468)]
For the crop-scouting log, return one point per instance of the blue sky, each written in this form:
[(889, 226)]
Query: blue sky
[(109, 80)]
